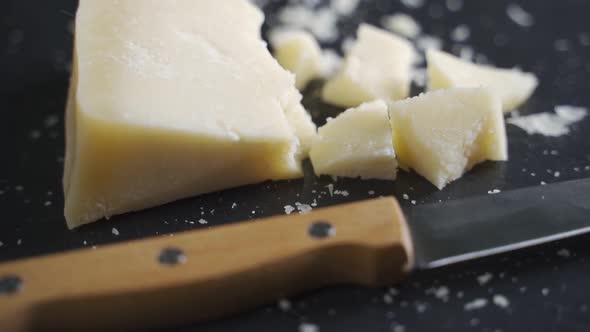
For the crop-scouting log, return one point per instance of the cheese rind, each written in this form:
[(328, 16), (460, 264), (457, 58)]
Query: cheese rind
[(357, 143), (298, 52), (512, 86), (444, 133), (378, 66), (164, 106)]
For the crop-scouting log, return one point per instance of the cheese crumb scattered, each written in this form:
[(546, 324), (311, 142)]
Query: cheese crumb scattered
[(550, 124), (564, 253), (343, 193), (519, 15), (494, 191), (303, 208), (413, 3), (289, 209), (115, 231), (202, 221), (1, 243), (401, 24), (308, 327), (501, 301), (461, 33), (284, 304), (545, 291), (475, 304), (484, 278), (344, 7), (454, 5)]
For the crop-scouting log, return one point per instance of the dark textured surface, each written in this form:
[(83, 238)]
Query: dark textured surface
[(547, 287)]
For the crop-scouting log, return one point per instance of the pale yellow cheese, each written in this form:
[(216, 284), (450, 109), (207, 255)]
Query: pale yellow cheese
[(168, 100), (444, 133), (298, 52), (512, 86), (357, 143), (378, 66)]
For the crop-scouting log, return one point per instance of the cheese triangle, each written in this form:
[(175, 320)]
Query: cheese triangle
[(168, 100), (444, 133), (512, 86)]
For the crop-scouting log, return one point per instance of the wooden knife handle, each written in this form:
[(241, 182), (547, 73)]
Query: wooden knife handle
[(205, 274)]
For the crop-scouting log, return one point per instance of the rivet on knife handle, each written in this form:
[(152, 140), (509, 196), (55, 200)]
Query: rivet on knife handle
[(205, 274)]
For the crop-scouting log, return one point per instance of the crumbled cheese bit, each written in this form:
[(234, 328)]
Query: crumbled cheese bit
[(234, 205), (115, 231), (475, 304), (330, 189), (454, 5), (402, 24), (563, 253), (19, 242), (35, 134), (429, 42), (203, 221), (545, 291), (543, 183), (461, 33), (51, 121), (501, 301), (519, 15), (557, 174), (303, 208), (413, 3), (47, 203), (549, 124), (1, 243), (308, 327), (441, 293), (344, 7), (289, 209), (343, 193), (413, 202), (371, 192), (494, 191), (484, 278), (387, 298), (284, 304)]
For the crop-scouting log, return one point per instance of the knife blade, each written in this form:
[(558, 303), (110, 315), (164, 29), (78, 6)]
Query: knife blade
[(209, 273)]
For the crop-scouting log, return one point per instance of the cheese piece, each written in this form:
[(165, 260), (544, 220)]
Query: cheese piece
[(512, 86), (357, 143), (298, 52), (169, 101), (444, 133), (378, 66)]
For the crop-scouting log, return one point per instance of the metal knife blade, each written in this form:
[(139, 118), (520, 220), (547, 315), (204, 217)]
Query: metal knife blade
[(466, 229)]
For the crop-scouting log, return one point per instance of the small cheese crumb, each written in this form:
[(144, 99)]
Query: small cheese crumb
[(557, 174), (549, 124), (47, 203), (494, 191), (387, 299), (501, 301), (303, 208), (413, 202), (564, 253), (115, 231), (308, 327), (289, 209), (202, 221), (413, 3), (475, 304), (19, 242), (371, 192), (284, 304), (406, 197), (234, 205), (484, 278), (401, 24), (545, 291), (330, 189), (344, 7), (519, 15), (461, 33), (341, 193), (454, 5)]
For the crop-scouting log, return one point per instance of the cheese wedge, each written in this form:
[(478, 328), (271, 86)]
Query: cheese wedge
[(444, 133), (357, 143), (378, 66), (298, 52), (512, 86), (167, 101)]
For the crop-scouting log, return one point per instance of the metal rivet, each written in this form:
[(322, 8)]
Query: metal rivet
[(172, 256), (321, 230), (10, 284)]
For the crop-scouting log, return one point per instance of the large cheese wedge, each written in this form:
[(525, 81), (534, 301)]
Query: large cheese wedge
[(357, 143), (442, 134), (298, 52), (378, 66), (168, 100), (512, 86)]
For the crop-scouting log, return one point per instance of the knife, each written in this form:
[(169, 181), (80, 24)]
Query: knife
[(206, 274)]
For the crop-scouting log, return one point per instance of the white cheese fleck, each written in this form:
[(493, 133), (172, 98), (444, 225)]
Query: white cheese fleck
[(461, 33), (402, 24), (284, 304), (303, 208), (475, 304), (494, 191), (371, 192), (330, 189), (413, 3), (550, 124), (115, 231), (308, 327), (234, 205), (501, 301), (454, 5), (387, 298), (344, 7), (564, 253), (484, 278), (557, 174), (545, 291), (202, 221), (1, 243), (343, 193), (519, 15), (47, 203)]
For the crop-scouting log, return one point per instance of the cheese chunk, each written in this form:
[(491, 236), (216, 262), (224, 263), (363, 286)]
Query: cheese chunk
[(298, 52), (168, 100), (378, 66), (512, 86), (357, 143), (442, 134)]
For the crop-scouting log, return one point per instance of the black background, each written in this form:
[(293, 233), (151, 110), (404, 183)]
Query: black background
[(547, 291)]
